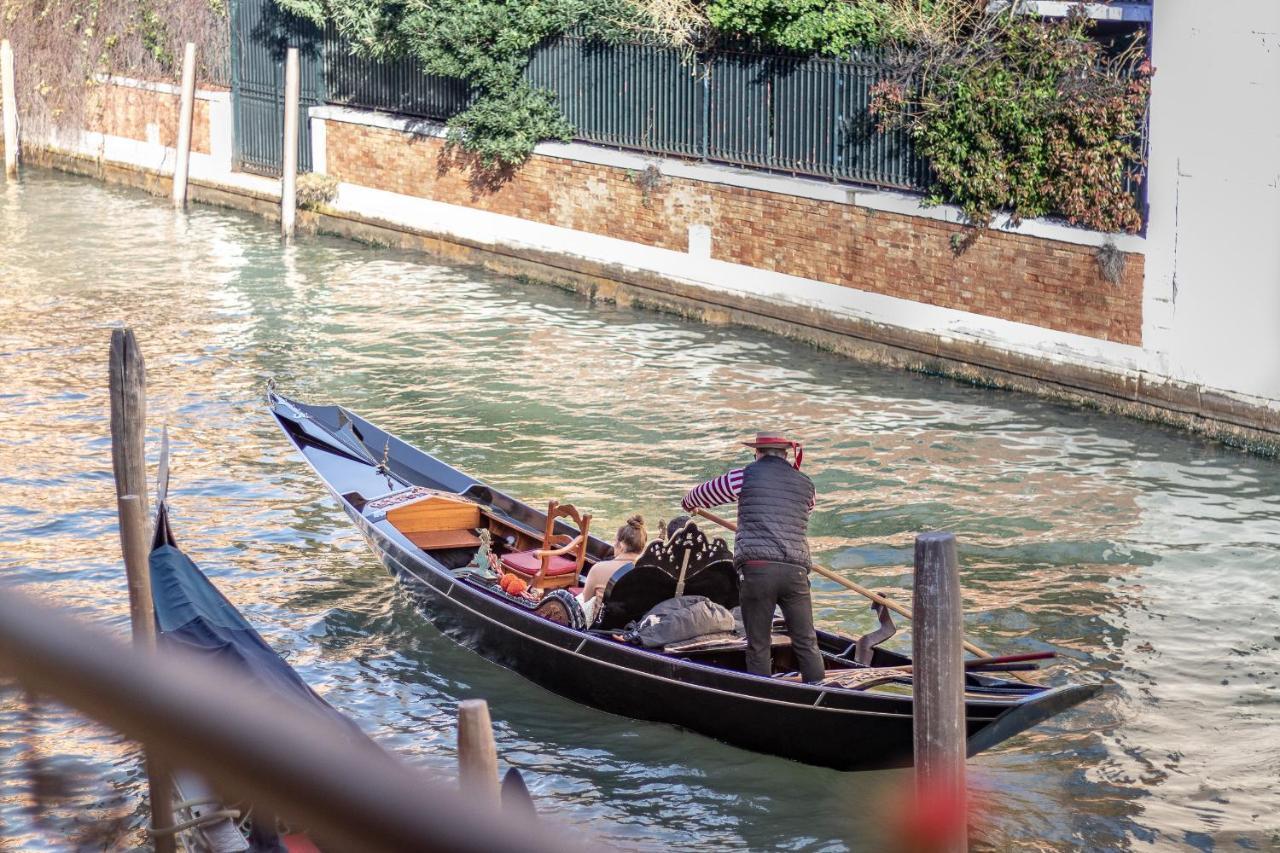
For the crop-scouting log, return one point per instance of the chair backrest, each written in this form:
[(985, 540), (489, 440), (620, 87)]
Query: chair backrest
[(553, 542), (705, 564)]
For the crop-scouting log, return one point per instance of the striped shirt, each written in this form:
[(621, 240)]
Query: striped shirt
[(722, 490)]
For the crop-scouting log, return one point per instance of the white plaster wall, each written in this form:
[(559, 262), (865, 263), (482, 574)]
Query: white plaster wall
[(1212, 307)]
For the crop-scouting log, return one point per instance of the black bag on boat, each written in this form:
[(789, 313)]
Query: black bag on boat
[(679, 619)]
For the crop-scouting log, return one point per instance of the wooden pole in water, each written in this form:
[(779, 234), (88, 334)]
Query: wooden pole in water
[(134, 546), (477, 752), (185, 116), (289, 176), (128, 386), (938, 690), (10, 107), (127, 374)]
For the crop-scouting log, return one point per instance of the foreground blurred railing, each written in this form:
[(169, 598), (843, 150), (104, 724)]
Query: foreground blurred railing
[(278, 755)]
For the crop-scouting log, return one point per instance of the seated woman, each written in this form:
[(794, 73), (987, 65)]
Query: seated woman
[(632, 538)]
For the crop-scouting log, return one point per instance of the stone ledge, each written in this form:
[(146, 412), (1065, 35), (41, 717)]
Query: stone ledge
[(215, 95)]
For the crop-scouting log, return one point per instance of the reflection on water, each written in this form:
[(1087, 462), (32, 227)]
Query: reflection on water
[(1147, 558)]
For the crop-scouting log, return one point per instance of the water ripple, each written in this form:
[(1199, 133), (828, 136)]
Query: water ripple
[(1146, 558)]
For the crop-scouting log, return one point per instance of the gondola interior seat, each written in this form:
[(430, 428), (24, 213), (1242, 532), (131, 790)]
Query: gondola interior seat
[(558, 560), (432, 520), (689, 563)]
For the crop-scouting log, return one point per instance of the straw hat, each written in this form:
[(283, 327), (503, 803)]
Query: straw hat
[(771, 439)]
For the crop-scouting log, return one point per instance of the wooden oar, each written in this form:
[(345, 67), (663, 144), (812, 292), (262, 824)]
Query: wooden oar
[(861, 590)]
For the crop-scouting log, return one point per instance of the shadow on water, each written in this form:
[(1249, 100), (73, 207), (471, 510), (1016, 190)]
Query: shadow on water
[(1146, 558)]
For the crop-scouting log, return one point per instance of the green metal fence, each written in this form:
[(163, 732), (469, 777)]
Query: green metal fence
[(260, 34), (805, 116), (399, 87)]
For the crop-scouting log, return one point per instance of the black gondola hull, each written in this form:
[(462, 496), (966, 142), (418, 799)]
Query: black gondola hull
[(841, 729)]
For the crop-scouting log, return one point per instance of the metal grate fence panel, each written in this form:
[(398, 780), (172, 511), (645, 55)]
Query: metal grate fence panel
[(800, 115), (399, 86)]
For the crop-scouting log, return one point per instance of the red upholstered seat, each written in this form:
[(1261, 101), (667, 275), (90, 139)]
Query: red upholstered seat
[(524, 563), (562, 554)]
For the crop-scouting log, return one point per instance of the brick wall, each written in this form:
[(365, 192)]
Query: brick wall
[(1031, 280), (125, 111)]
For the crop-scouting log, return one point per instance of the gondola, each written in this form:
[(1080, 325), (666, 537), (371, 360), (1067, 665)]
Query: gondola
[(193, 615), (439, 530)]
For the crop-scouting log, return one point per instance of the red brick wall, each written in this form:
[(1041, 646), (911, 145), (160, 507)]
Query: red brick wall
[(1032, 280), (125, 111)]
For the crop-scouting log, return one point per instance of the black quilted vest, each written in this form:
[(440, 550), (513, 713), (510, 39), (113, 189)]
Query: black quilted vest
[(773, 513)]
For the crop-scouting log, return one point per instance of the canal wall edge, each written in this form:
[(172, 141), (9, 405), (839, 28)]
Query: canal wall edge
[(967, 346)]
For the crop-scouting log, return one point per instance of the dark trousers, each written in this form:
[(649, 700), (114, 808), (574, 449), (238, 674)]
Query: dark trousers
[(763, 586)]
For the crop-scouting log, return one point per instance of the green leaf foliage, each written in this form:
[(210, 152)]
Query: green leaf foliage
[(1028, 117), (831, 27), (487, 43)]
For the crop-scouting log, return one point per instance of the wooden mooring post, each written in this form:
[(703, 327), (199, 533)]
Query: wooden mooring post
[(289, 175), (186, 112), (938, 675), (477, 752), (127, 376), (10, 107)]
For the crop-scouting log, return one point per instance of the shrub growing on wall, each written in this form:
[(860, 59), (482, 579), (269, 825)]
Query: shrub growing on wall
[(487, 43), (831, 27), (1023, 115)]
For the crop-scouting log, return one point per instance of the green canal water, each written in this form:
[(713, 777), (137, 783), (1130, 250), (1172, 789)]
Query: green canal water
[(1148, 559)]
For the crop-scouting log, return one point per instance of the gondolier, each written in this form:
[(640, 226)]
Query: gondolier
[(771, 551)]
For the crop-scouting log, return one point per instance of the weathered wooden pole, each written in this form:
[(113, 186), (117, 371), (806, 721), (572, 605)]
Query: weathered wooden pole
[(128, 385), (127, 374), (134, 546), (10, 107), (938, 676), (289, 176), (477, 752), (185, 116)]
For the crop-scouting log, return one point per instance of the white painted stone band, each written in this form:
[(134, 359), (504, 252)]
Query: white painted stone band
[(215, 95)]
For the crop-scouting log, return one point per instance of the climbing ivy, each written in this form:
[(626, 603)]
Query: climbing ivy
[(487, 43), (66, 44), (831, 27)]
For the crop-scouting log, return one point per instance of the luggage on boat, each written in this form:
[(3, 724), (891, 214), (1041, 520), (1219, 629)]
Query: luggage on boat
[(679, 619)]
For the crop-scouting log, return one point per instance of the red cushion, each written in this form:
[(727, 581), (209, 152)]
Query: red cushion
[(525, 563)]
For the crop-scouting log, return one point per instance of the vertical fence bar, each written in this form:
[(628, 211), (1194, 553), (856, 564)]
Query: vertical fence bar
[(10, 106)]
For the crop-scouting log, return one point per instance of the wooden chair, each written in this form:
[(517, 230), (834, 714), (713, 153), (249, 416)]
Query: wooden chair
[(557, 563)]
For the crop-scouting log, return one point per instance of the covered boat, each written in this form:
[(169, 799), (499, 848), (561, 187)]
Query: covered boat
[(192, 614), (439, 532)]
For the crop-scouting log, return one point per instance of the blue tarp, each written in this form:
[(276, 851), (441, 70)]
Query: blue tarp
[(193, 615)]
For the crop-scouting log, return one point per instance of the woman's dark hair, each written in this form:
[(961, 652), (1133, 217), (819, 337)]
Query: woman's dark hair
[(632, 535), (674, 525)]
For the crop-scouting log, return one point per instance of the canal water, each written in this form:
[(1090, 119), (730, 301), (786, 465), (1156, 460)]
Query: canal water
[(1148, 559)]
